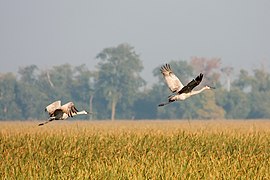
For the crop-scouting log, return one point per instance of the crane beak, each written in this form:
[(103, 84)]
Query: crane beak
[(211, 87)]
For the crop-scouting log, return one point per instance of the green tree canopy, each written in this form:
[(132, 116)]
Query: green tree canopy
[(118, 76), (9, 109), (115, 89)]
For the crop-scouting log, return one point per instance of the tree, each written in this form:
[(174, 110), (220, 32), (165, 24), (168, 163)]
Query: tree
[(208, 107), (235, 103), (227, 71), (260, 106), (259, 95), (256, 86), (209, 67), (118, 76), (29, 96), (244, 81), (62, 78), (67, 83), (82, 87), (8, 106), (28, 74)]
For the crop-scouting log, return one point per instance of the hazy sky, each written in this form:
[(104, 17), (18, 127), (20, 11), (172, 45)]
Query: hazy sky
[(54, 32)]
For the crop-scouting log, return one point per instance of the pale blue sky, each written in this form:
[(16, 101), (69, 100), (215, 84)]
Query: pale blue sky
[(54, 32)]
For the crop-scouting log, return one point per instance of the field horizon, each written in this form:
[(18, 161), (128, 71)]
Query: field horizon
[(244, 126)]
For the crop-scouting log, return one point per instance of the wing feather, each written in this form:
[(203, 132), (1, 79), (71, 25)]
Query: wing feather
[(69, 108), (171, 79), (192, 84), (52, 107)]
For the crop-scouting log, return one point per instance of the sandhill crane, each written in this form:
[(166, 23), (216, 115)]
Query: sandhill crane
[(58, 112), (180, 92)]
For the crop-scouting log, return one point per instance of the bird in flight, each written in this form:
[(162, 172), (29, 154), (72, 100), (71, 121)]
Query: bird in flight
[(180, 91), (58, 112)]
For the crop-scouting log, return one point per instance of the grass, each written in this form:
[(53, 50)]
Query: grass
[(135, 150)]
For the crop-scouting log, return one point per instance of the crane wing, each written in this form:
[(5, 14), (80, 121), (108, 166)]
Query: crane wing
[(192, 84), (52, 107), (69, 108), (171, 79)]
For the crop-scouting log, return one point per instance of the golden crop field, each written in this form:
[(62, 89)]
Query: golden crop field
[(135, 150)]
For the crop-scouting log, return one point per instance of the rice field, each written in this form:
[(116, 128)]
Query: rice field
[(135, 150)]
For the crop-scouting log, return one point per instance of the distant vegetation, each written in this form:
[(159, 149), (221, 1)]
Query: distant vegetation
[(116, 90)]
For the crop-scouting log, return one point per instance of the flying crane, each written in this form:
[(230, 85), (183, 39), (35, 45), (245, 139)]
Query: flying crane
[(180, 91), (58, 112)]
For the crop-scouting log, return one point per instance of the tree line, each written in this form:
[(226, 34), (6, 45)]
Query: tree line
[(116, 90)]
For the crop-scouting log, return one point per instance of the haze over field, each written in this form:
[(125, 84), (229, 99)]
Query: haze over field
[(49, 33)]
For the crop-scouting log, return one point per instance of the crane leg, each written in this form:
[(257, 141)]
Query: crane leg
[(163, 104), (49, 120)]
